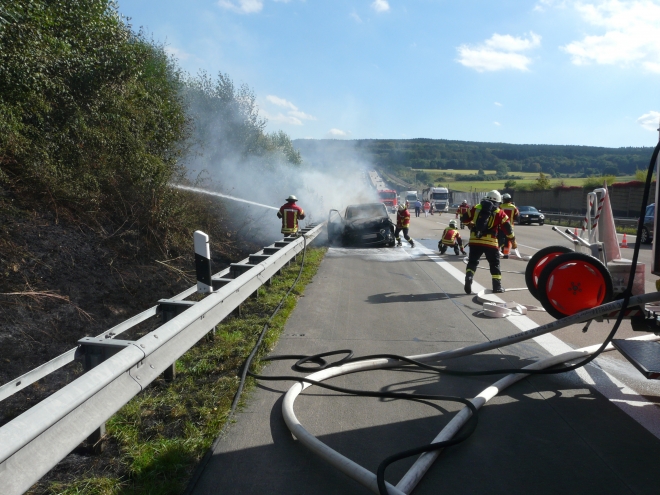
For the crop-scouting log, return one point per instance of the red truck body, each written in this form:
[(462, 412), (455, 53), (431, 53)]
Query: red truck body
[(388, 198)]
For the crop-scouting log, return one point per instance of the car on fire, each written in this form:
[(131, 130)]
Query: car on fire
[(529, 214), (365, 224)]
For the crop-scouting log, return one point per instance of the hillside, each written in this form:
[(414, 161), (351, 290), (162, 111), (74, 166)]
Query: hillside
[(395, 154)]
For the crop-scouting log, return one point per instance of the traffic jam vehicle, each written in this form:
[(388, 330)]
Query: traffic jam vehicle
[(529, 215), (388, 198), (438, 197), (366, 224)]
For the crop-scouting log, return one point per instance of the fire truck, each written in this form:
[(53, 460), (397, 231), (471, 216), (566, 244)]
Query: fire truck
[(388, 198)]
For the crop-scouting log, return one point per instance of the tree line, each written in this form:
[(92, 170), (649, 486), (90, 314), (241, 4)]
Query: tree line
[(442, 154)]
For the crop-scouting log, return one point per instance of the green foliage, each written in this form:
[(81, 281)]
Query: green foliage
[(227, 125), (641, 175), (596, 182), (510, 184), (543, 182), (90, 115)]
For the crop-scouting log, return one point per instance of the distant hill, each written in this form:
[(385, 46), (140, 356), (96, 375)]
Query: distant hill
[(394, 154)]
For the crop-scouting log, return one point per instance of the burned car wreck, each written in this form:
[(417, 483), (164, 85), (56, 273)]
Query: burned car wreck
[(362, 225)]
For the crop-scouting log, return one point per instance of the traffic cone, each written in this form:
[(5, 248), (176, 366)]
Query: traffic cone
[(576, 232), (624, 242), (607, 232)]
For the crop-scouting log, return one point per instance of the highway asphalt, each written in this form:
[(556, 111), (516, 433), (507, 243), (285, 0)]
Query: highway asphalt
[(592, 431)]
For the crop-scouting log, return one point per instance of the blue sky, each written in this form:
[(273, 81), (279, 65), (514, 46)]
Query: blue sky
[(518, 71)]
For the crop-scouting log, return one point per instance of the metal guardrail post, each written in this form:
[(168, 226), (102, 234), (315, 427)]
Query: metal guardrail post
[(169, 310), (93, 351)]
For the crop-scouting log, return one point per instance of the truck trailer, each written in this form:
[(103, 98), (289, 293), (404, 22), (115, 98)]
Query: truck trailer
[(438, 197)]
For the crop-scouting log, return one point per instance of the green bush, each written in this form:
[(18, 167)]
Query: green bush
[(91, 116)]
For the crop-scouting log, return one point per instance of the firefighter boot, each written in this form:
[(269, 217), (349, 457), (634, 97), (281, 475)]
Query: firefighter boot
[(456, 250), (497, 285), (468, 283), (412, 243), (398, 241), (443, 249)]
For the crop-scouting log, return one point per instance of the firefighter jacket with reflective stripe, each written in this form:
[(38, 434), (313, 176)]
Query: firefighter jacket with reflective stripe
[(511, 211), (290, 213), (403, 219), (450, 237), (497, 221), (462, 210)]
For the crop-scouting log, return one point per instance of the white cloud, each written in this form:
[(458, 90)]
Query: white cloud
[(242, 6), (280, 117), (177, 53), (293, 116), (380, 5), (650, 120), (281, 102), (353, 15), (301, 115), (499, 52), (337, 134), (508, 43), (497, 123), (498, 104), (629, 34)]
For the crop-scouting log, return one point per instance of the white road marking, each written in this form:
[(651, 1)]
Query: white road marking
[(619, 394)]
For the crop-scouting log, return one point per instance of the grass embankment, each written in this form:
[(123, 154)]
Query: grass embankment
[(164, 431), (447, 178)]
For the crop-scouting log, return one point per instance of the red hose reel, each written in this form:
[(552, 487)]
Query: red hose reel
[(567, 282)]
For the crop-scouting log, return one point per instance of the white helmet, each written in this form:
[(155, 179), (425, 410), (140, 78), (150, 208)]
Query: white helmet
[(292, 198), (452, 224), (464, 202), (402, 206), (506, 197), (494, 196)]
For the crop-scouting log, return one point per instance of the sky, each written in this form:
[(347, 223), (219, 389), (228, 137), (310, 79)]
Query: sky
[(516, 71)]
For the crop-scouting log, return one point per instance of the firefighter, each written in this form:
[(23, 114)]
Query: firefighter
[(402, 224), (451, 238), (512, 212), (290, 213), (462, 210), (485, 221)]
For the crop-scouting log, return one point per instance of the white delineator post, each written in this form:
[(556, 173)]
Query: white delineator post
[(203, 262)]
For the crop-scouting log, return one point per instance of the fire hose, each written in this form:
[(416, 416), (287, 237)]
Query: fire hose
[(463, 424)]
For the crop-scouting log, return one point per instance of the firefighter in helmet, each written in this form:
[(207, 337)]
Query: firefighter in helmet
[(486, 220), (402, 224), (451, 239), (290, 213), (462, 210), (512, 212)]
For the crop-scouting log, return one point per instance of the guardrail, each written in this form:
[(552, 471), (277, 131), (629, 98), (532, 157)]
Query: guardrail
[(623, 222), (34, 442)]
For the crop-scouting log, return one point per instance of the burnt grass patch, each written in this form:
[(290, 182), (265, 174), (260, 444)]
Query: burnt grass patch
[(63, 277)]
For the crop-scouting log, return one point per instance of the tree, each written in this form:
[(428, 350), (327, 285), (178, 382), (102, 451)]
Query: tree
[(610, 170), (501, 168), (542, 182), (510, 184)]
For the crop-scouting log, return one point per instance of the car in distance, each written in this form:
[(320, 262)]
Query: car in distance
[(365, 224), (529, 214), (647, 228)]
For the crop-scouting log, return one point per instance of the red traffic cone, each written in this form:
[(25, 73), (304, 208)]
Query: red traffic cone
[(624, 242), (576, 233)]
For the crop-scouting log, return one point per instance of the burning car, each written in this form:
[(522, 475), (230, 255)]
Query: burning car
[(365, 225)]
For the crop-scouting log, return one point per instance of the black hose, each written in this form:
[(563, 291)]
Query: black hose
[(244, 373)]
